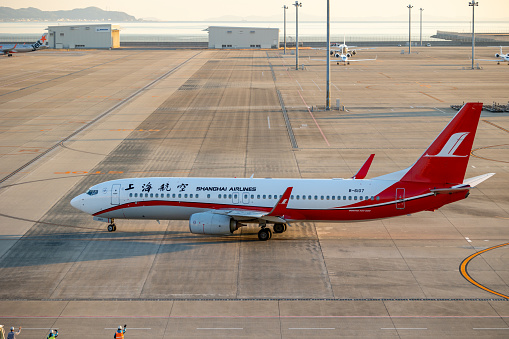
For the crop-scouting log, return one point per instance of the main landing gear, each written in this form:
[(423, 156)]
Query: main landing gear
[(112, 227), (265, 233)]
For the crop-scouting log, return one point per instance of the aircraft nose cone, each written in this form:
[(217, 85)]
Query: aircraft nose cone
[(77, 202)]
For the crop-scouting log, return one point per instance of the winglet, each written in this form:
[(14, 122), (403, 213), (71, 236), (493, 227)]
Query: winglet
[(363, 171), (280, 208)]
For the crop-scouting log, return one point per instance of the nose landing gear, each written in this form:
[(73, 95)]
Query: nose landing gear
[(112, 227)]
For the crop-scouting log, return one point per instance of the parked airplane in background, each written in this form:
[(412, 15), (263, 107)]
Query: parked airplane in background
[(16, 48), (337, 49), (222, 205), (501, 57)]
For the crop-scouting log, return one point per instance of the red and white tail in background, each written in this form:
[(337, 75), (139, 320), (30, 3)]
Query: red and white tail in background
[(445, 161)]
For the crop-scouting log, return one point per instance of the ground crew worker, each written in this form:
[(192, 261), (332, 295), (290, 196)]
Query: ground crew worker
[(52, 334), (12, 334), (120, 332)]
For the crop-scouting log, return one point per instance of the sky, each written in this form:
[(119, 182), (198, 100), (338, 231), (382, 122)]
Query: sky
[(202, 10)]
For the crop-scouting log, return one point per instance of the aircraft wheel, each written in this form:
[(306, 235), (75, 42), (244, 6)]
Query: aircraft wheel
[(264, 234), (279, 228), (112, 228)]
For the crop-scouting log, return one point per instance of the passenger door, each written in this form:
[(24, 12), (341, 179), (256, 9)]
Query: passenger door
[(115, 194)]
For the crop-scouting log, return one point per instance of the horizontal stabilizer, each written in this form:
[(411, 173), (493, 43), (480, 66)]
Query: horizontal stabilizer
[(477, 180), (363, 171)]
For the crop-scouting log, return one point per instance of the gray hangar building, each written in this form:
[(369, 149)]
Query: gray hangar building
[(84, 36), (243, 37)]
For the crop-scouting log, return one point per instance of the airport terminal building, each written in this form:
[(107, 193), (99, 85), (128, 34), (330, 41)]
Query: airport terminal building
[(243, 37), (84, 36)]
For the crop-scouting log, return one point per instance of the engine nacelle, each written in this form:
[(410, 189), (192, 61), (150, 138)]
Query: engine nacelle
[(337, 55), (211, 223), (348, 55), (331, 53), (354, 52), (497, 55)]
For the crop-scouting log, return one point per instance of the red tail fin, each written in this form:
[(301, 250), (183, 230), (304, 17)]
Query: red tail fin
[(445, 161)]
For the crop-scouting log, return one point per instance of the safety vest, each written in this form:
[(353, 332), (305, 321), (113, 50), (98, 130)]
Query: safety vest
[(119, 335)]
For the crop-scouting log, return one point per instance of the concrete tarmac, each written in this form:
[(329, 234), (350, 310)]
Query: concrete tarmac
[(70, 120)]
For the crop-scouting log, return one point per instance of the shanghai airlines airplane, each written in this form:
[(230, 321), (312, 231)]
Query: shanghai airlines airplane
[(222, 205), (40, 44)]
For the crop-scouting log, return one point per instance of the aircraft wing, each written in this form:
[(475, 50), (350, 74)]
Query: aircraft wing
[(491, 59), (7, 50), (275, 215), (350, 60)]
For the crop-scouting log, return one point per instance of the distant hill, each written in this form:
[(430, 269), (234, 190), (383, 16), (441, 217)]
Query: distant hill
[(79, 14)]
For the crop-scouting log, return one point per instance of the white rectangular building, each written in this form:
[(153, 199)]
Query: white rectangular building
[(243, 37), (84, 36)]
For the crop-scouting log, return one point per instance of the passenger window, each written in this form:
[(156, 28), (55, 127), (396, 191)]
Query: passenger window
[(366, 198), (309, 197), (173, 196), (377, 198), (229, 196), (349, 197), (197, 196), (180, 195), (327, 197), (252, 196), (303, 197), (321, 198), (168, 195), (219, 196), (344, 197), (291, 197), (298, 197), (130, 195), (361, 197), (146, 195), (135, 195), (333, 197), (151, 195), (208, 196), (185, 195), (264, 196), (190, 196), (157, 195), (355, 198), (270, 196)]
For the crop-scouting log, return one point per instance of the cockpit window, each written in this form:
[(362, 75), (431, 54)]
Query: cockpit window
[(92, 192)]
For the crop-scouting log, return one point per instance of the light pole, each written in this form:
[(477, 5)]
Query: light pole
[(285, 8), (473, 4), (409, 27), (421, 9), (297, 5), (327, 85)]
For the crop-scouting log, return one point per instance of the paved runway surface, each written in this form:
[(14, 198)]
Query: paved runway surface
[(72, 119)]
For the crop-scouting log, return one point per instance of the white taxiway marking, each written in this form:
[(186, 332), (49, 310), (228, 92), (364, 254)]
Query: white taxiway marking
[(219, 328), (468, 239), (36, 328), (492, 328), (312, 328), (404, 328), (129, 328), (438, 109), (268, 121), (317, 85)]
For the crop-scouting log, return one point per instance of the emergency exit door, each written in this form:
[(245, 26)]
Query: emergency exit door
[(400, 198), (115, 194)]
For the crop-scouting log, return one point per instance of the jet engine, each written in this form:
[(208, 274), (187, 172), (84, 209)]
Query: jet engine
[(211, 223), (348, 55), (337, 55), (331, 52), (497, 55), (354, 52)]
